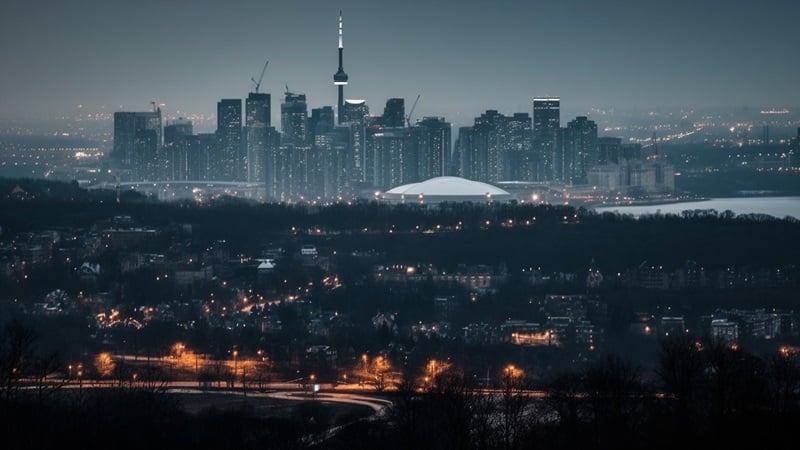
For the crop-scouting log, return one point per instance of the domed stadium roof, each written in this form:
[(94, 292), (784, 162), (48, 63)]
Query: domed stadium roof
[(446, 189)]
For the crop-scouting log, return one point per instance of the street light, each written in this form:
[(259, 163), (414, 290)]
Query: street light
[(80, 379), (235, 371), (512, 375), (364, 360)]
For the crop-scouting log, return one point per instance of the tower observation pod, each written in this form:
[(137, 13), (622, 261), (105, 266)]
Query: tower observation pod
[(340, 78)]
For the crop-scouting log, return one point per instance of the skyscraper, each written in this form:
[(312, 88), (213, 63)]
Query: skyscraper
[(355, 115), (432, 141), (178, 146), (202, 161), (608, 150), (325, 162), (489, 146), (229, 161), (340, 78), (581, 147), (518, 161), (394, 113), (546, 123), (321, 121), (354, 111), (176, 130), (272, 164), (463, 153), (294, 118), (137, 143), (391, 159), (258, 109)]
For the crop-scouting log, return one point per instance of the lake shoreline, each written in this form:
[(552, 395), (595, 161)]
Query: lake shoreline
[(776, 206)]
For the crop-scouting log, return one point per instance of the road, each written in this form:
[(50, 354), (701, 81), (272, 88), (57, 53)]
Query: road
[(377, 404)]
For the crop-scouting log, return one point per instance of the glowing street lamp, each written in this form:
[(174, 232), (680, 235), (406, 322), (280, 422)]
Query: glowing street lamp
[(235, 368), (513, 375), (364, 362)]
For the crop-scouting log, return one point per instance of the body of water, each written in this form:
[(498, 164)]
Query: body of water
[(774, 206)]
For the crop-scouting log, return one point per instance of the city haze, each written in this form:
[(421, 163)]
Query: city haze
[(65, 58)]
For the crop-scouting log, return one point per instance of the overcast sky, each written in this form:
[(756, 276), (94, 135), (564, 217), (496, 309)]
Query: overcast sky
[(462, 57)]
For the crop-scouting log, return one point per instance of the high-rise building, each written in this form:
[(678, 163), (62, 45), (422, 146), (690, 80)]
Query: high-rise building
[(340, 78), (608, 150), (294, 119), (272, 164), (391, 159), (463, 153), (355, 117), (229, 160), (202, 159), (489, 146), (394, 114), (431, 138), (177, 130), (321, 121), (518, 160), (354, 111), (137, 144), (258, 109), (546, 123), (325, 163), (331, 152), (794, 151), (580, 149), (178, 146)]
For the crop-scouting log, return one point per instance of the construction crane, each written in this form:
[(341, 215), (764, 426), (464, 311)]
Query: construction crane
[(411, 111), (258, 83)]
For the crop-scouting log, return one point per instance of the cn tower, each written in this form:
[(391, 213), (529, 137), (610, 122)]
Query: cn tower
[(340, 78)]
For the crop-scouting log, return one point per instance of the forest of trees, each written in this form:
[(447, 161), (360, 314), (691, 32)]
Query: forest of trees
[(685, 391)]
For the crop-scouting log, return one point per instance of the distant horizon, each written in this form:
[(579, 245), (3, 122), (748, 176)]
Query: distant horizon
[(567, 113), (462, 58)]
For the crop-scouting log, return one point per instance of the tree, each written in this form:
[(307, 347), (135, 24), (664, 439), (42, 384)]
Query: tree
[(783, 376), (680, 368), (514, 406), (615, 400), (16, 357)]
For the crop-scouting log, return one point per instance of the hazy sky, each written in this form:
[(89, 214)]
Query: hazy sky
[(462, 57)]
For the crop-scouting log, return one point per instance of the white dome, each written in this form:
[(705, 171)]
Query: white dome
[(442, 189)]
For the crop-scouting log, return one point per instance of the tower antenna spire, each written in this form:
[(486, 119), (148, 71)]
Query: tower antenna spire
[(340, 78), (340, 30)]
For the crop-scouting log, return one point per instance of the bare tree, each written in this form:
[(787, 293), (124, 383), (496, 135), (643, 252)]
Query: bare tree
[(16, 357), (681, 370), (783, 375), (514, 407), (564, 399), (615, 400)]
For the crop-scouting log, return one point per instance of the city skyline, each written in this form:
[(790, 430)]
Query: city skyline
[(461, 59)]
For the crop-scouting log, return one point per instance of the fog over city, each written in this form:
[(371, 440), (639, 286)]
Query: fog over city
[(462, 56)]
